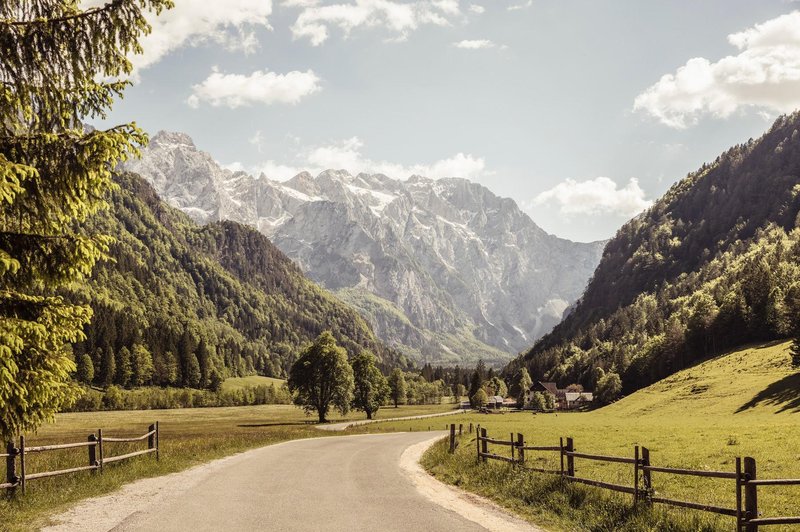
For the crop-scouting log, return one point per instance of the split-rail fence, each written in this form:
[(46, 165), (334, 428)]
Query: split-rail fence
[(744, 476), (15, 456)]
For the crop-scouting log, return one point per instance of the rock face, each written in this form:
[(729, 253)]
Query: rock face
[(443, 269)]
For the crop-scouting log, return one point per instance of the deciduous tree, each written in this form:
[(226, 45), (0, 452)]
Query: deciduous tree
[(322, 378), (371, 387)]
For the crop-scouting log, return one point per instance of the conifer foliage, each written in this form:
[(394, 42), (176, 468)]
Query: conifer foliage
[(56, 60)]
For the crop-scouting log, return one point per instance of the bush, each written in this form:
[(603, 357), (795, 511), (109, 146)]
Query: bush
[(479, 399)]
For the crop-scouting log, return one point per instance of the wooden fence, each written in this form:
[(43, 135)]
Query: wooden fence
[(18, 477), (744, 476)]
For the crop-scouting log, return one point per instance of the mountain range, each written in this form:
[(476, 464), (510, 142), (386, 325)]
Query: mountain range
[(444, 270)]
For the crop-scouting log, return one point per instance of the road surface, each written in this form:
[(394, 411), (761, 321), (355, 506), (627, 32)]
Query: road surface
[(348, 483), (347, 424)]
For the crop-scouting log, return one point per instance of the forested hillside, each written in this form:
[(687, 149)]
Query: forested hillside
[(713, 264), (180, 304)]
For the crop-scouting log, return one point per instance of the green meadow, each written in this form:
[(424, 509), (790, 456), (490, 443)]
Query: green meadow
[(240, 383), (744, 403)]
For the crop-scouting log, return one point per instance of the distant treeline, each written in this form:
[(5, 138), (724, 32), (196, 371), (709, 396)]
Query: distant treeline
[(152, 398)]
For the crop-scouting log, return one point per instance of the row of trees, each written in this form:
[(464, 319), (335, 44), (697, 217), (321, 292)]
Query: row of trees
[(322, 378), (150, 398)]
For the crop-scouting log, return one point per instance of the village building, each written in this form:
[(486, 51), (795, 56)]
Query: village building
[(564, 399)]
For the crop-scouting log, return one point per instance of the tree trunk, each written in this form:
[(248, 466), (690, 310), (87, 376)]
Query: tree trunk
[(321, 414), (369, 414)]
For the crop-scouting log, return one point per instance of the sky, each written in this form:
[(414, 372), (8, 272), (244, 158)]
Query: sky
[(583, 111)]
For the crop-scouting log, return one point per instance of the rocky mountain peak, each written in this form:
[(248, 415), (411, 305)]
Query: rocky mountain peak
[(444, 270)]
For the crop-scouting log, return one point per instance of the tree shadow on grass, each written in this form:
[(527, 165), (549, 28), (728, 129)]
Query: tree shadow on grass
[(276, 424), (784, 393)]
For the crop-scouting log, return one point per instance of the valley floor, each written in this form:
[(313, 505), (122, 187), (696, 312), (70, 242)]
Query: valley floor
[(745, 403), (188, 437)]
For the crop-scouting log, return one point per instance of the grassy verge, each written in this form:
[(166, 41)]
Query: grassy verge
[(188, 437), (240, 383), (741, 404)]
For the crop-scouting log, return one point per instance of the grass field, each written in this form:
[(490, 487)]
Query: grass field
[(188, 437), (745, 403), (238, 383)]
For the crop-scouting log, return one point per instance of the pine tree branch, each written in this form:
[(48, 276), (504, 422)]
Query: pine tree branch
[(57, 20)]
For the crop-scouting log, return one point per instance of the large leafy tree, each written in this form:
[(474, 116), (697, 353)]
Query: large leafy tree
[(371, 387), (60, 65), (322, 378)]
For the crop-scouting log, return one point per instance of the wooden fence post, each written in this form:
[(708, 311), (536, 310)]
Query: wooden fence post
[(93, 451), (520, 450), (158, 444), (460, 429), (647, 479), (452, 438), (750, 494), (739, 486), (22, 462), (470, 428), (636, 475), (511, 439), (570, 459), (484, 444), (100, 455), (11, 467), (561, 452), (478, 440)]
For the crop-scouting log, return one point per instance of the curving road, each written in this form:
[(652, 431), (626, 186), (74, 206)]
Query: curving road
[(347, 483)]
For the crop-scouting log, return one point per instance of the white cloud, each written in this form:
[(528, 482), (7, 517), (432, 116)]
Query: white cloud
[(523, 5), (263, 87), (194, 22), (764, 75), (597, 196), (400, 18), (475, 44), (348, 155), (477, 9)]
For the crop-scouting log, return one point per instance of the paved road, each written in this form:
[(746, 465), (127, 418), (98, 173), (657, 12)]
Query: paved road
[(350, 483), (347, 424)]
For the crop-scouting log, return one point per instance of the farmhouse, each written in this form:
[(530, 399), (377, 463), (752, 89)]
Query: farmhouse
[(496, 401), (566, 399)]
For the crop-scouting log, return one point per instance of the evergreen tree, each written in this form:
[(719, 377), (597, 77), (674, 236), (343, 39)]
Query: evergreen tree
[(109, 366), (85, 373), (192, 375), (397, 387), (124, 365), (522, 384), (475, 383), (166, 369), (54, 174), (371, 388), (142, 365)]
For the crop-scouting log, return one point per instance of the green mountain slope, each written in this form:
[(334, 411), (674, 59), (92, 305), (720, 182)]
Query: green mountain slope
[(181, 304), (712, 265)]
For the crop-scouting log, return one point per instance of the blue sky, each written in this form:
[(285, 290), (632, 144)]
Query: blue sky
[(581, 111)]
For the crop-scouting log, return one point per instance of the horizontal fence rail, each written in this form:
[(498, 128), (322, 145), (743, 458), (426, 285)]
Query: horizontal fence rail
[(17, 477), (748, 518)]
